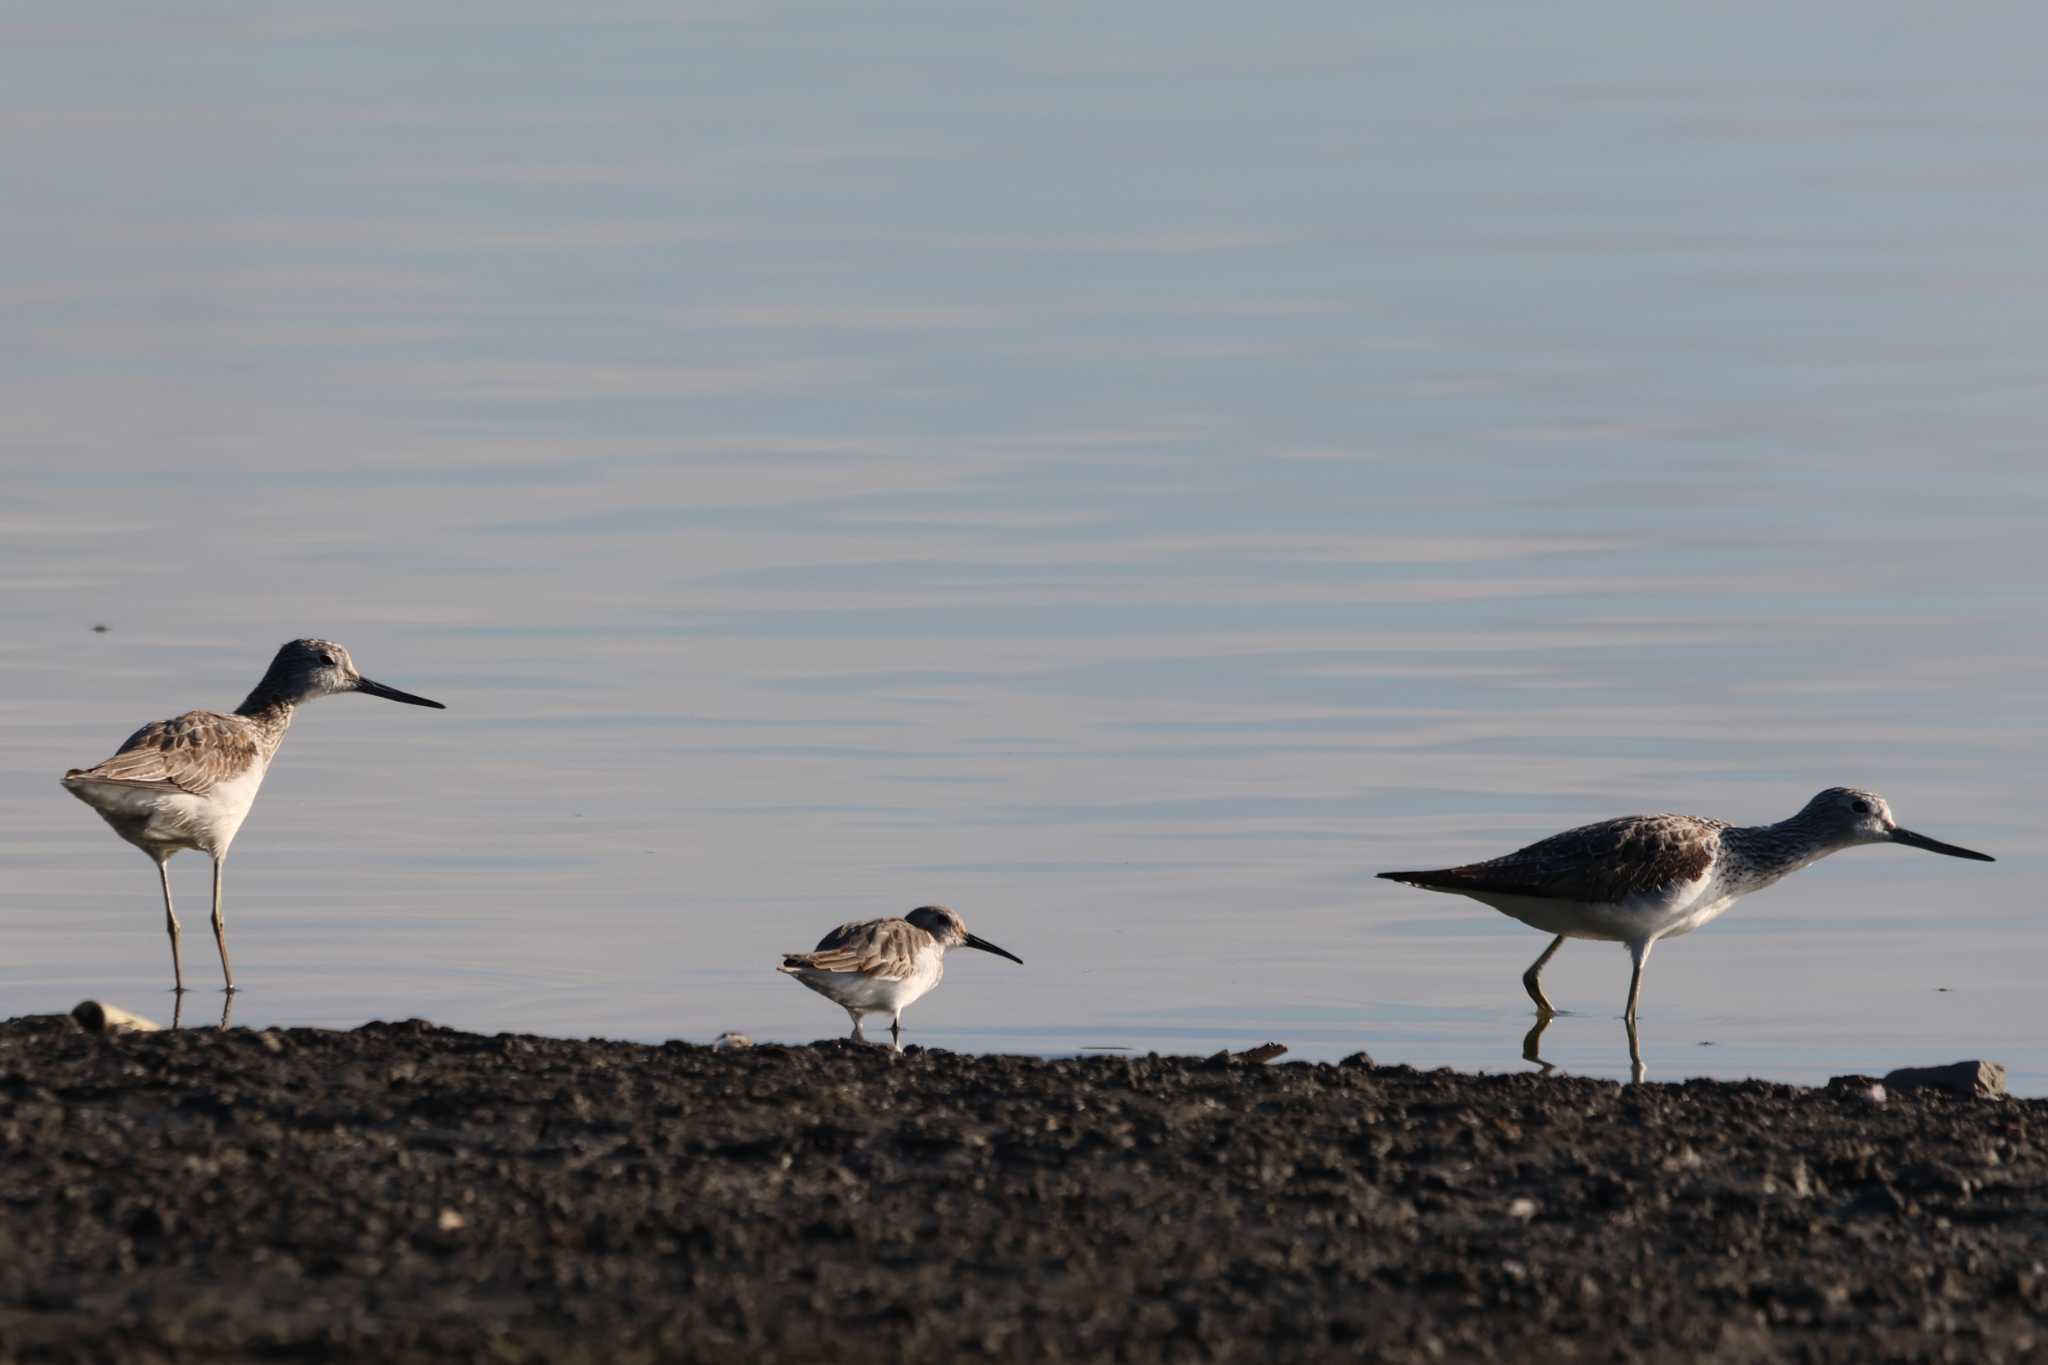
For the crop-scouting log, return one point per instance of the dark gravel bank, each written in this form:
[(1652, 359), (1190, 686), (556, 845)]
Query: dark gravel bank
[(405, 1193)]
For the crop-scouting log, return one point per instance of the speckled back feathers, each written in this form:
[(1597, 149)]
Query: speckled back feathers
[(1607, 862)]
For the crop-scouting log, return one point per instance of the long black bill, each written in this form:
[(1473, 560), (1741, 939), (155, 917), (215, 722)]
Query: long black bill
[(1912, 840), (987, 947), (377, 689)]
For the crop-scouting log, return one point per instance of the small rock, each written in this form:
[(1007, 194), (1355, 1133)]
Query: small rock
[(97, 1016), (1521, 1210), (1264, 1052), (1981, 1078), (1878, 1198), (1359, 1059), (146, 1221), (731, 1041), (1864, 1088), (451, 1221)]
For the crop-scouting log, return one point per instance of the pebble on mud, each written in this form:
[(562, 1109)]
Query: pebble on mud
[(97, 1016), (1981, 1078), (1255, 1056)]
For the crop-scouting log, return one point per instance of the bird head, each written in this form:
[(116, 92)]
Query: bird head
[(951, 931)]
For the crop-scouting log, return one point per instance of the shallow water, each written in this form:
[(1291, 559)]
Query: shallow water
[(1127, 479)]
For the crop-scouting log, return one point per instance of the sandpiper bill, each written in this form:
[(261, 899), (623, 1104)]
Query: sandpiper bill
[(880, 966)]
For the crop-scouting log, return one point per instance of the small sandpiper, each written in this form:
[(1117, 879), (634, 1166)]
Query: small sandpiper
[(879, 966), (188, 782), (1646, 877)]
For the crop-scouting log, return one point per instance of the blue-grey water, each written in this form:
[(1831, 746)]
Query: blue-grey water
[(1129, 474)]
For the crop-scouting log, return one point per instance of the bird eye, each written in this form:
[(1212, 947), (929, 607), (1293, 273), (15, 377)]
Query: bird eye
[(1862, 807), (327, 658)]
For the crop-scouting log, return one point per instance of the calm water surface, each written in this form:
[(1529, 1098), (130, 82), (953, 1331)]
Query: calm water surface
[(1127, 477)]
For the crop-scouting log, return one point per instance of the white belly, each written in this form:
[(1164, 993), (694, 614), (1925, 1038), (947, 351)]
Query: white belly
[(870, 995), (1704, 911), (1680, 909), (161, 822)]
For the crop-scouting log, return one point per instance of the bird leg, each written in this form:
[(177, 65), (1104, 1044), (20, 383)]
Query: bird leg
[(896, 1029), (1532, 983), (1639, 953), (1636, 1070), (163, 873), (858, 1036), (220, 927)]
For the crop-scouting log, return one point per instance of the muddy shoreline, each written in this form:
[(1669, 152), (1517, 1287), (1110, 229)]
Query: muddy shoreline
[(401, 1192)]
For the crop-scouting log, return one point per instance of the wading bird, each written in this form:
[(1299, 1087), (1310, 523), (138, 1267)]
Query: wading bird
[(879, 966), (1648, 877), (188, 782)]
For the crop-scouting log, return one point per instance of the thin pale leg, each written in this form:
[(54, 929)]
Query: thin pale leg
[(1638, 953), (227, 1009), (220, 927), (858, 1036), (1636, 1069), (1532, 983), (163, 874)]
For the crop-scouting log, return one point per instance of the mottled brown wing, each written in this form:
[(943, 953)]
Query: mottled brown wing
[(188, 753), (1602, 863), (885, 949)]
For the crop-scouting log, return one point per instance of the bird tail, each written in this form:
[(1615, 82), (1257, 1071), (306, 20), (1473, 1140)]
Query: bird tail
[(1443, 879)]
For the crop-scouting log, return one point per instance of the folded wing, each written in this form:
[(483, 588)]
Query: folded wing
[(1610, 862), (885, 949), (190, 753)]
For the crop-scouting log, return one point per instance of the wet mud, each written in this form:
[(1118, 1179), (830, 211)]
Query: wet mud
[(406, 1193)]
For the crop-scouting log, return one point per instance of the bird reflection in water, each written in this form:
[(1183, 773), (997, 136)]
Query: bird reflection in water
[(227, 1009), (1532, 1047)]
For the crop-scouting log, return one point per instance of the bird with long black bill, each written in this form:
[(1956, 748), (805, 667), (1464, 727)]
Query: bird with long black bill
[(188, 782), (1644, 878)]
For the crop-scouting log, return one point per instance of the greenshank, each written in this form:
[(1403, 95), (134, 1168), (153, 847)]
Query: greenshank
[(1648, 877), (188, 782)]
